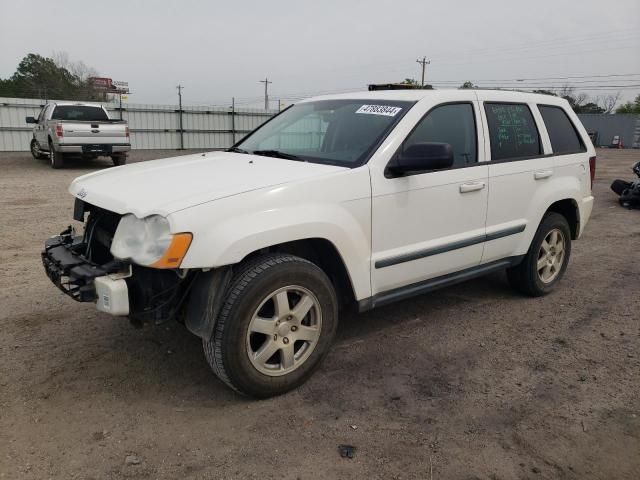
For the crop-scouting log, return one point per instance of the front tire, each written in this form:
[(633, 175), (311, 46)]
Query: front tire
[(35, 150), (276, 325), (546, 261), (55, 158), (119, 159)]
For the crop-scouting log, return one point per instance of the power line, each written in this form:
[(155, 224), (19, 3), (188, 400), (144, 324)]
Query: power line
[(511, 57), (571, 77), (551, 87), (554, 42), (507, 53)]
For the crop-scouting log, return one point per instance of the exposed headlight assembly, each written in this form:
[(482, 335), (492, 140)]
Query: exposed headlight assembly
[(149, 242)]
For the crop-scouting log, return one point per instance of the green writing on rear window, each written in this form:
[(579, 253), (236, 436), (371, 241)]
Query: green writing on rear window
[(512, 131)]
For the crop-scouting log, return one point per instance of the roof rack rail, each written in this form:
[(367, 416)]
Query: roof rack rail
[(398, 86)]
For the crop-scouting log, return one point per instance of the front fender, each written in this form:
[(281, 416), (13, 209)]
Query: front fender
[(337, 209)]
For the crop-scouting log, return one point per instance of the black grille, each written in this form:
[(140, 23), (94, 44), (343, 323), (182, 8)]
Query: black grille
[(98, 234)]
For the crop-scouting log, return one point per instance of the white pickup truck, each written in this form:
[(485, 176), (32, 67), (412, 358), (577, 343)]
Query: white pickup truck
[(63, 129), (366, 198)]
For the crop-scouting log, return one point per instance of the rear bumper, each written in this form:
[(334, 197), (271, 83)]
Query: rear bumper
[(99, 149), (586, 206)]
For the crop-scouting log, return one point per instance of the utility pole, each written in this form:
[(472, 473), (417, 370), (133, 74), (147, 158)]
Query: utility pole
[(180, 87), (266, 94), (233, 120), (424, 62)]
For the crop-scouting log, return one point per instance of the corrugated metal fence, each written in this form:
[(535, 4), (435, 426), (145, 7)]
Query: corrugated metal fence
[(158, 126), (151, 126), (603, 127)]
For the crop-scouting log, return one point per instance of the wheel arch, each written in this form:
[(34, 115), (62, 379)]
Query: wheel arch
[(208, 290), (325, 255), (568, 208)]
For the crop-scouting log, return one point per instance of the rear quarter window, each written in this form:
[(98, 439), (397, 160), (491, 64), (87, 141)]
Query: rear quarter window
[(562, 132), (512, 131)]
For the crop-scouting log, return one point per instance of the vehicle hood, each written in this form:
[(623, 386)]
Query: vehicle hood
[(165, 186)]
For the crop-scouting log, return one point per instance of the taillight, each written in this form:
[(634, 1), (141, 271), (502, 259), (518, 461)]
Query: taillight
[(59, 131), (126, 132), (592, 169)]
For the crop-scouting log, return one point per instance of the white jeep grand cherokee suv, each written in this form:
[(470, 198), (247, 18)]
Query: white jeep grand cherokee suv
[(365, 197)]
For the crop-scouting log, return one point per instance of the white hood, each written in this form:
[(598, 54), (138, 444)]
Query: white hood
[(171, 184)]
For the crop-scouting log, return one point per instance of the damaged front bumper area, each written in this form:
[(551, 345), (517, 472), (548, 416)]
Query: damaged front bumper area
[(84, 281), (83, 267)]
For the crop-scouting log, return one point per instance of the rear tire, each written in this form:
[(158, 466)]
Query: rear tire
[(55, 158), (119, 159), (546, 261), (275, 303), (35, 150)]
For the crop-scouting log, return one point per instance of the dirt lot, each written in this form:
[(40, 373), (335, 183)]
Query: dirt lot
[(471, 382)]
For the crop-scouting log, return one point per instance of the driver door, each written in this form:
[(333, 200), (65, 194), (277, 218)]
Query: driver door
[(40, 132), (429, 224)]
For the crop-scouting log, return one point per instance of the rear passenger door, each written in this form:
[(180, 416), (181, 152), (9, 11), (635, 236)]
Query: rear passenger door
[(517, 171)]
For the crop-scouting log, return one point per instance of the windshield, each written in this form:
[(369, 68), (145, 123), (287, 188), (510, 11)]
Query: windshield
[(336, 132), (81, 113)]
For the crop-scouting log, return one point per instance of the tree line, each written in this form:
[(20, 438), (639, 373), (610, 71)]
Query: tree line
[(51, 77)]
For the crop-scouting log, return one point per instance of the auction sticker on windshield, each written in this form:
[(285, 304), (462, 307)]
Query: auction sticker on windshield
[(379, 110)]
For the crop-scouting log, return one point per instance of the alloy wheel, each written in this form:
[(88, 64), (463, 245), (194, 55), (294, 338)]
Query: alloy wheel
[(551, 256), (284, 330)]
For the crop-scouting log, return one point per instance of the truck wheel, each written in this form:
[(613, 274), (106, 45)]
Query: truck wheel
[(547, 258), (119, 160), (56, 158), (276, 325), (35, 150)]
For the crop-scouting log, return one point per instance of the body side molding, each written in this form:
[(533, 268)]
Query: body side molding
[(408, 257)]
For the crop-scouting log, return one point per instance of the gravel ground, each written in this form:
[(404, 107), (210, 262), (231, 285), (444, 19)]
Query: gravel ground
[(470, 382)]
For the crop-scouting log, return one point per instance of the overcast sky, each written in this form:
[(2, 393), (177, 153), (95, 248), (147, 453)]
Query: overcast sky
[(219, 49)]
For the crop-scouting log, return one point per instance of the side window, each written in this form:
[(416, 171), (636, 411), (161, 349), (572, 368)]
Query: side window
[(512, 131), (453, 124), (563, 135)]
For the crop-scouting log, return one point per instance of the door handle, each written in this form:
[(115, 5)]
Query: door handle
[(471, 187), (542, 174)]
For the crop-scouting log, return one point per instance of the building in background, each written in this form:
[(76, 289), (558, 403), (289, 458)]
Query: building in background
[(602, 128)]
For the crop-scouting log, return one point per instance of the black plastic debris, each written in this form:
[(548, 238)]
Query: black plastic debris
[(346, 451)]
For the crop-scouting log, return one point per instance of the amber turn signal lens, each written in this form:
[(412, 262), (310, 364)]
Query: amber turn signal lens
[(172, 258)]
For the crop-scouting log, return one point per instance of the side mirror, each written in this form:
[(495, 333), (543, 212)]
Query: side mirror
[(423, 156), (31, 120)]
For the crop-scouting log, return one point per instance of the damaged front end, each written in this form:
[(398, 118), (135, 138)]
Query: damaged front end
[(83, 267)]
